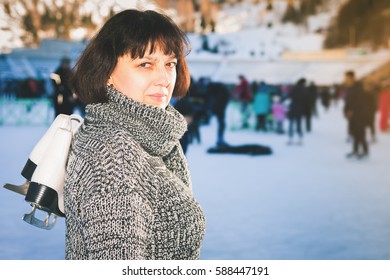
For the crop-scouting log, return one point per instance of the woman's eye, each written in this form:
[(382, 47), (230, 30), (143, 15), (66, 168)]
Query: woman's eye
[(172, 64), (145, 65)]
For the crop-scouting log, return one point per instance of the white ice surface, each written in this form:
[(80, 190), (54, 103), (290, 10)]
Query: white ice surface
[(301, 202)]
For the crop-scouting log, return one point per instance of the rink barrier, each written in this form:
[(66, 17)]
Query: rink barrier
[(25, 111)]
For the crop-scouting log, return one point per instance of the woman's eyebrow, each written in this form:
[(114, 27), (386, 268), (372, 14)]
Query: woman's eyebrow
[(149, 57), (154, 58)]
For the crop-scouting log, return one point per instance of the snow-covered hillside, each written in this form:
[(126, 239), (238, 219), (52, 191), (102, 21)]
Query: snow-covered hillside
[(262, 31), (249, 39), (253, 41), (230, 19)]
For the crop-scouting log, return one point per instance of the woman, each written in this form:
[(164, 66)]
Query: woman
[(128, 191)]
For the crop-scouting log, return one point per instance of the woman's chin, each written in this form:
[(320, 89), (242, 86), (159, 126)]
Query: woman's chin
[(157, 103)]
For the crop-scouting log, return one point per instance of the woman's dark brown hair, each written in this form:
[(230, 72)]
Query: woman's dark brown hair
[(129, 32)]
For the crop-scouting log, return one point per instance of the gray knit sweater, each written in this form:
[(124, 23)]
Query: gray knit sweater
[(127, 191)]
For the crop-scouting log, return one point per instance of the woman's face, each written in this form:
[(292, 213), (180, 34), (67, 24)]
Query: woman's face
[(149, 80)]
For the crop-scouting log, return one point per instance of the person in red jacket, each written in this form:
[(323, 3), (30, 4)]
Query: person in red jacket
[(384, 106), (242, 92)]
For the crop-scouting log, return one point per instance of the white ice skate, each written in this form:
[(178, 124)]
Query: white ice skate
[(44, 171)]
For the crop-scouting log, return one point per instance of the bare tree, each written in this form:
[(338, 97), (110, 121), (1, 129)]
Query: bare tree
[(189, 10), (208, 10), (185, 12), (51, 18)]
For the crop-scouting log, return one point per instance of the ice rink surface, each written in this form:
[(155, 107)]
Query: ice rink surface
[(304, 202)]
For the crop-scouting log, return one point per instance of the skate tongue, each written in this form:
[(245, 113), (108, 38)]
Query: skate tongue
[(22, 189)]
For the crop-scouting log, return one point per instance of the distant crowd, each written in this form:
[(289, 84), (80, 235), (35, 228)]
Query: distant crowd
[(285, 109), (282, 109), (22, 88), (57, 88)]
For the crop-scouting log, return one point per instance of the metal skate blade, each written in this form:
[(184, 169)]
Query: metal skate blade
[(32, 220), (22, 189)]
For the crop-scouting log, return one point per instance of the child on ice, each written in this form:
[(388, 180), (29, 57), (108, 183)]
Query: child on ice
[(279, 112)]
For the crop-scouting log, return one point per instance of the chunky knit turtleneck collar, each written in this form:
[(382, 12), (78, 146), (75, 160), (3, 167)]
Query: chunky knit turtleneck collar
[(157, 130)]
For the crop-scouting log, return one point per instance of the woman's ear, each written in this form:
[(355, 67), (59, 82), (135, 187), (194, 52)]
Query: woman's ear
[(110, 82)]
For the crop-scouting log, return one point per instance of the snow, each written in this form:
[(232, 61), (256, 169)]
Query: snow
[(282, 53), (302, 202)]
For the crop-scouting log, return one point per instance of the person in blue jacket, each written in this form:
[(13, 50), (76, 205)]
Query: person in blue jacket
[(262, 105)]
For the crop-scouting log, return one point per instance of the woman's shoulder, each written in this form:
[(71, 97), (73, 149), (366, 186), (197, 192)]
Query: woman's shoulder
[(106, 140), (109, 152)]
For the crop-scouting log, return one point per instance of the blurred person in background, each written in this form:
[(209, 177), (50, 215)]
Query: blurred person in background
[(372, 92), (219, 97), (262, 105), (185, 107), (30, 89), (63, 98), (242, 93), (309, 105), (295, 111), (384, 106), (357, 111), (325, 95), (279, 112)]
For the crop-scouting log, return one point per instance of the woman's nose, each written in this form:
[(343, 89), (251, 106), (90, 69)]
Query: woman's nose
[(162, 76)]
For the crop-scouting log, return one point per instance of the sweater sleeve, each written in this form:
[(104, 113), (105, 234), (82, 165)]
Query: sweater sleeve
[(117, 215)]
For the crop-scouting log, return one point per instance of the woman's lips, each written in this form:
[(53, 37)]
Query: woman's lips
[(159, 97)]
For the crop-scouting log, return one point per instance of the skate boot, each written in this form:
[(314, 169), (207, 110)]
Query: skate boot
[(37, 154), (45, 171)]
